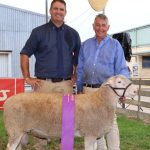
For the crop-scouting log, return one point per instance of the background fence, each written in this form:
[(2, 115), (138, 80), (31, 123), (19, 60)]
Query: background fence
[(139, 107)]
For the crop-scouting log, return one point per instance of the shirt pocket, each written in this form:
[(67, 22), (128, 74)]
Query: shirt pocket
[(106, 60)]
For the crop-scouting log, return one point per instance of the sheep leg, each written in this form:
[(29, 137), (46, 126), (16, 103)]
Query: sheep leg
[(41, 138), (19, 147), (89, 142), (25, 139), (40, 134), (14, 144)]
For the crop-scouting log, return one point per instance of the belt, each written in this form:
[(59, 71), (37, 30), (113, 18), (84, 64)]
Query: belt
[(92, 85), (54, 79)]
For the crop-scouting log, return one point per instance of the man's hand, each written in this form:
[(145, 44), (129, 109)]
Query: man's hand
[(34, 82), (73, 78)]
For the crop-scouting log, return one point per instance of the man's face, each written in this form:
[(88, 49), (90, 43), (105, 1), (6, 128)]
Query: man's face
[(58, 12), (100, 27)]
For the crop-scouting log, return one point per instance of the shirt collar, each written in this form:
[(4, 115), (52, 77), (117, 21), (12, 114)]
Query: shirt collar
[(104, 39), (54, 26)]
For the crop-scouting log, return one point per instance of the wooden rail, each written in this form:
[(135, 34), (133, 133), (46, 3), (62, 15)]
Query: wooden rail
[(142, 101)]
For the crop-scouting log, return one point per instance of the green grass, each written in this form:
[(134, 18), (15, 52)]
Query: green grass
[(134, 135), (3, 135)]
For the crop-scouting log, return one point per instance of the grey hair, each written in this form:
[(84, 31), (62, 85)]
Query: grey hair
[(102, 16)]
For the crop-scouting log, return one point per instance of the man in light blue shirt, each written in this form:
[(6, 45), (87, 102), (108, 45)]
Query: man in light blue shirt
[(101, 57)]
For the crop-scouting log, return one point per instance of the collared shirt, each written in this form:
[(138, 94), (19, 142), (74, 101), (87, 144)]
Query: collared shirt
[(53, 47), (97, 62)]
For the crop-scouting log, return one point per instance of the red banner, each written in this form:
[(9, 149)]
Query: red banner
[(9, 87)]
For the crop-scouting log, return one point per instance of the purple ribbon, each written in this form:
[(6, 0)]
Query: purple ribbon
[(67, 132)]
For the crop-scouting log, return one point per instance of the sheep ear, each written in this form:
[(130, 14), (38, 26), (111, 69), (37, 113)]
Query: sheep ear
[(110, 81)]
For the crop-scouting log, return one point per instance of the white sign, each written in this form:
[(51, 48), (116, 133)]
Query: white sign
[(135, 70)]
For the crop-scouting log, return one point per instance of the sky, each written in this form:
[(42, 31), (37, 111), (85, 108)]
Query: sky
[(123, 14)]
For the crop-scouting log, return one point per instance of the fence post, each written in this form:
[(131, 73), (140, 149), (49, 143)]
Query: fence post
[(139, 99)]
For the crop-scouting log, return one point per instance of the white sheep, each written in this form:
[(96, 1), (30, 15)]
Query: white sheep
[(40, 113)]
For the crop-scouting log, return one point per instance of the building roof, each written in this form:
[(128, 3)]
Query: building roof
[(144, 53)]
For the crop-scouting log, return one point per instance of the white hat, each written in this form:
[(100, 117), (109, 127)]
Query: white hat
[(98, 5)]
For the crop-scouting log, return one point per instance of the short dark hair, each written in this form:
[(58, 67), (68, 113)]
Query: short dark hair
[(61, 1)]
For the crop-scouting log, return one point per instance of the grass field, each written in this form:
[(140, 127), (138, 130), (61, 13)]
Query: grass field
[(134, 135)]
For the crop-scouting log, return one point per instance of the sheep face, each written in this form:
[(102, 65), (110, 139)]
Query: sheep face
[(122, 86)]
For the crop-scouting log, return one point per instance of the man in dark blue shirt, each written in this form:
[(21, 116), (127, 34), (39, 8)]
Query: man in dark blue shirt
[(55, 46)]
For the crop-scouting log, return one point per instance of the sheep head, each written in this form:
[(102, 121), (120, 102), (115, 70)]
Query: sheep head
[(122, 86)]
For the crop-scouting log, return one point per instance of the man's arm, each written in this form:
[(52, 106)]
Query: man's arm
[(80, 72), (24, 62), (75, 56), (74, 75)]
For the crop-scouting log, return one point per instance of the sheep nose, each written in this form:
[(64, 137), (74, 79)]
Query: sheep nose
[(135, 92)]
